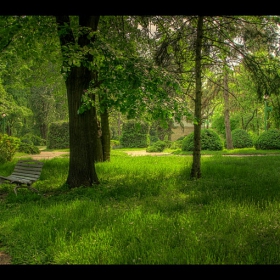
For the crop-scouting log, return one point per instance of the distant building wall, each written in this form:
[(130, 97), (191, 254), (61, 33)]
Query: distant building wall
[(179, 131)]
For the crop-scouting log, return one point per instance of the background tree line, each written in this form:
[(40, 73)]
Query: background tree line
[(96, 71)]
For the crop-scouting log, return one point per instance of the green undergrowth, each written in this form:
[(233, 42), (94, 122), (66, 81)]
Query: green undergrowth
[(147, 210)]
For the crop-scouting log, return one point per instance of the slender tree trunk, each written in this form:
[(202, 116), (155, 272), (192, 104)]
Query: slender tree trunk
[(43, 130), (170, 125), (257, 125), (104, 135), (98, 155), (226, 113), (83, 130), (9, 130), (196, 170), (250, 119), (119, 126), (105, 138)]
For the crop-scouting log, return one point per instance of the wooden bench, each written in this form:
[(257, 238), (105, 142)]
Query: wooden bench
[(25, 173)]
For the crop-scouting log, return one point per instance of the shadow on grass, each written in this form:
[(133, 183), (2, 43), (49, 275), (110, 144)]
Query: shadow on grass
[(241, 179), (227, 216), (252, 180)]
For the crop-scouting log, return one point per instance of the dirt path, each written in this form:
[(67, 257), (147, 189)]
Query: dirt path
[(48, 155), (4, 258), (144, 153)]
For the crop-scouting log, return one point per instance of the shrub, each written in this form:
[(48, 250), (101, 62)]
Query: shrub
[(210, 140), (181, 138), (28, 148), (114, 143), (241, 139), (30, 138), (168, 143), (268, 140), (58, 136), (134, 134), (254, 137), (8, 147), (176, 144), (153, 135), (157, 147)]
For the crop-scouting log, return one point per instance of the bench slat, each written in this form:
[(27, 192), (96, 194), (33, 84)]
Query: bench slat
[(22, 172), (15, 177), (25, 172)]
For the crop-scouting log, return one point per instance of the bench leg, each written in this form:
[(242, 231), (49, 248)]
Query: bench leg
[(20, 186), (15, 189)]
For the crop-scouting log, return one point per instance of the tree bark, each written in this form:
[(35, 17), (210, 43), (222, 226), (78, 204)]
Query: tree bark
[(119, 126), (83, 130), (98, 155), (196, 170), (43, 130), (105, 138), (227, 113)]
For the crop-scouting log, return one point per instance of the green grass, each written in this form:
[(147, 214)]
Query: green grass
[(243, 151), (147, 211)]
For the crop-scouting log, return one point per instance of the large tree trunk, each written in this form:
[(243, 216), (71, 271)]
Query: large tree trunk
[(226, 113), (83, 130), (196, 171)]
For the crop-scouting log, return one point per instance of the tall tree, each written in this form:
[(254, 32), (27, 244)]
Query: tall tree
[(229, 142), (229, 37), (83, 129), (128, 78), (196, 166)]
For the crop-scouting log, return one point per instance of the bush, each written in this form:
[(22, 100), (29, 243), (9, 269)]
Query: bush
[(134, 134), (58, 136), (254, 137), (241, 139), (30, 138), (168, 143), (176, 144), (268, 140), (114, 143), (8, 147), (158, 146), (210, 140), (181, 138), (28, 148)]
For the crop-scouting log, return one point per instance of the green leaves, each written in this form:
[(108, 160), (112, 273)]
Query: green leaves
[(8, 147), (87, 101)]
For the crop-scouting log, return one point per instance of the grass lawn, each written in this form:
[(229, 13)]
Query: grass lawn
[(147, 211)]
